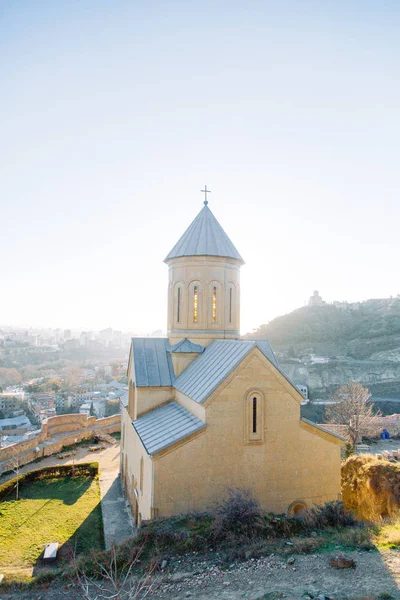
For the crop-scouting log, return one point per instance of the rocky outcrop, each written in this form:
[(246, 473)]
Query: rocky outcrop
[(381, 377)]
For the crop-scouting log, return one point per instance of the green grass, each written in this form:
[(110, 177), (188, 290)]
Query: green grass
[(64, 510), (388, 535)]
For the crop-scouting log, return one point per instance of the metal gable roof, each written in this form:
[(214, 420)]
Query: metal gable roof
[(219, 359), (187, 346), (152, 362), (124, 399), (166, 425), (204, 237)]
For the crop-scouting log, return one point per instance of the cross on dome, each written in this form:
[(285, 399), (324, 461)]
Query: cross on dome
[(205, 192)]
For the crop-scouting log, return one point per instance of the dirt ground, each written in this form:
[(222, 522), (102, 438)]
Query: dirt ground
[(267, 578)]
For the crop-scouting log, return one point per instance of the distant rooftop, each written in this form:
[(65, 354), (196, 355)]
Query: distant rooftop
[(204, 237), (15, 422)]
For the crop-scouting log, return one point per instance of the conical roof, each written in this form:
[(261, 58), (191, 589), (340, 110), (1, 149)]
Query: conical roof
[(204, 237)]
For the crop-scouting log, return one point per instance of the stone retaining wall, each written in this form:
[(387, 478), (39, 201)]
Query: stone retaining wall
[(68, 430)]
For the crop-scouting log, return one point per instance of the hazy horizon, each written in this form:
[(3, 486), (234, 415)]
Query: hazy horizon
[(115, 116), (164, 329)]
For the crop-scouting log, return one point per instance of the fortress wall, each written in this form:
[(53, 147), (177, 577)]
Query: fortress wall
[(75, 427)]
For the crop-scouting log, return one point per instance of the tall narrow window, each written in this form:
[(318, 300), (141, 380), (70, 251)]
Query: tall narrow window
[(195, 303), (178, 309), (214, 305), (230, 305), (141, 474), (254, 415)]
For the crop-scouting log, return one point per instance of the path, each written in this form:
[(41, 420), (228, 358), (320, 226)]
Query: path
[(116, 518), (117, 522)]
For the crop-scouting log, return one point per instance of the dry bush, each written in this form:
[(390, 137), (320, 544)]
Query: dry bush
[(331, 514), (306, 545), (357, 537), (238, 514), (371, 487), (114, 580)]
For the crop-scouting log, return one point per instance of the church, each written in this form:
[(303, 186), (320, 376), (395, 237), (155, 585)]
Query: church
[(206, 410)]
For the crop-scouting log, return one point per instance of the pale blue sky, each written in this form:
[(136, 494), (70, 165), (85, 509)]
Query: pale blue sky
[(115, 114)]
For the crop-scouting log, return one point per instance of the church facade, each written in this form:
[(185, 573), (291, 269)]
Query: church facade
[(206, 410)]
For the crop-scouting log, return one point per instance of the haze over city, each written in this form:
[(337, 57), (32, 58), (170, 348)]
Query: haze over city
[(114, 117)]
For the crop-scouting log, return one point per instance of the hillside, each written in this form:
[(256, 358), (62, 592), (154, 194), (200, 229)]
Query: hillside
[(359, 330), (361, 341)]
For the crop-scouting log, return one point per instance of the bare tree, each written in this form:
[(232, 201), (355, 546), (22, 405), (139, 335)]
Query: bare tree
[(353, 410), (115, 581)]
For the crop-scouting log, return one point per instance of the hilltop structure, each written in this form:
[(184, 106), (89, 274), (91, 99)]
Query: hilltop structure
[(316, 299), (207, 410)]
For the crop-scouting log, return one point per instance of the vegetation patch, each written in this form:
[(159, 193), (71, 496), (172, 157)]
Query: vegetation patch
[(55, 505), (371, 487), (237, 530)]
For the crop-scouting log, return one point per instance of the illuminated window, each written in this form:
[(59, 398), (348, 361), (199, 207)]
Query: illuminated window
[(230, 305), (195, 303), (178, 310), (254, 415), (214, 305)]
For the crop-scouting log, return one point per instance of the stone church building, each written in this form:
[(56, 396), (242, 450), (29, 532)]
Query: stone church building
[(207, 410)]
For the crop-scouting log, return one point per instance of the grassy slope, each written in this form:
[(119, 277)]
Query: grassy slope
[(62, 510)]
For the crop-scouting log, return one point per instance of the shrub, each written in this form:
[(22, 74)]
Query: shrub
[(356, 537), (331, 514), (348, 450), (284, 526), (181, 533), (371, 487), (238, 514), (306, 545)]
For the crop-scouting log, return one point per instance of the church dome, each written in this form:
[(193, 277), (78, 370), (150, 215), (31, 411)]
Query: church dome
[(204, 237)]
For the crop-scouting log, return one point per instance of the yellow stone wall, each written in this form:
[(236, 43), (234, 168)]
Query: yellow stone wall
[(205, 272), (151, 397), (293, 463), (181, 360), (132, 452), (143, 399)]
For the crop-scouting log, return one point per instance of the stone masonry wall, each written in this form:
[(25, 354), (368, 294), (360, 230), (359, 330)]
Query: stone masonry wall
[(67, 428)]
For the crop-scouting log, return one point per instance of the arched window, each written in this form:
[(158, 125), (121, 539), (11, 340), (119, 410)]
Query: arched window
[(214, 305), (231, 308), (178, 306), (254, 417), (254, 414), (195, 303)]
